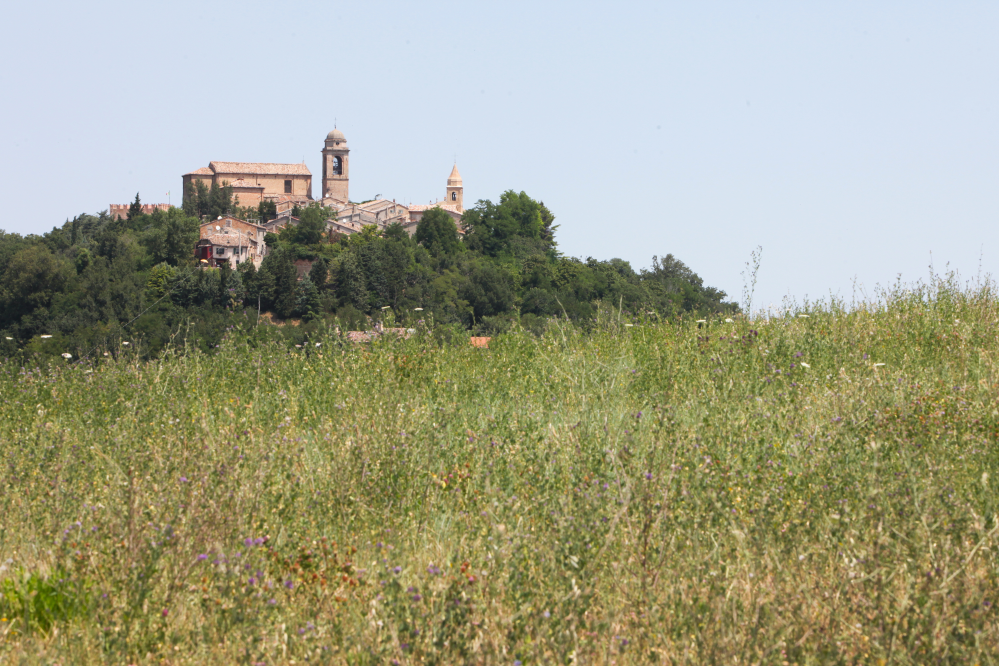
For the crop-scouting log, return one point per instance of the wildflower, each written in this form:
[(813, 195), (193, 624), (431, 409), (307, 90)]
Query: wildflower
[(803, 316), (44, 337), (165, 612), (729, 321), (417, 309), (9, 338), (202, 557), (183, 479), (319, 344), (878, 365), (629, 325), (289, 584), (701, 321), (125, 343), (804, 365), (67, 355), (386, 307)]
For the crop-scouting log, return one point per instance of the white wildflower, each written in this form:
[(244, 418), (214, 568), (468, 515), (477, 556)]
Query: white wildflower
[(319, 344), (805, 365), (67, 355), (417, 309), (803, 316), (878, 365), (45, 337), (386, 307), (702, 321), (126, 343), (729, 321), (629, 325)]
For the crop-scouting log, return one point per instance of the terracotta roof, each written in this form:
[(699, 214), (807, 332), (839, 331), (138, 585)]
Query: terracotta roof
[(230, 240), (203, 171), (262, 168)]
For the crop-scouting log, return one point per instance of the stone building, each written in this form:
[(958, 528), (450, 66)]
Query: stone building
[(290, 185), (336, 166), (229, 239), (254, 182)]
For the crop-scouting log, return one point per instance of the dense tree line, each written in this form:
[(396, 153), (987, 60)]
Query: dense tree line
[(96, 278)]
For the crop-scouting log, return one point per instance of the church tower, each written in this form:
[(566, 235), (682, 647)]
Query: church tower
[(455, 190), (335, 166)]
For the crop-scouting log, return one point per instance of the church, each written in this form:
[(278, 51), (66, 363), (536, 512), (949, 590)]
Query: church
[(290, 185)]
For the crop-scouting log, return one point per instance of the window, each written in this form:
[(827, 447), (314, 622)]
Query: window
[(228, 223), (337, 166), (219, 251), (454, 196), (287, 187)]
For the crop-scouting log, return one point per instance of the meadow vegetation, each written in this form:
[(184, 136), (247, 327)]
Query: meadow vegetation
[(816, 487)]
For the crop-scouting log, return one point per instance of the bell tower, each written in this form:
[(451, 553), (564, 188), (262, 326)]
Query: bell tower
[(336, 163), (455, 191)]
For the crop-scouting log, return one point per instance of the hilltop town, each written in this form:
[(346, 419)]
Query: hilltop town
[(284, 189)]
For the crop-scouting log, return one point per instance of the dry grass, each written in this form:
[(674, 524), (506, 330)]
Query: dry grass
[(654, 493)]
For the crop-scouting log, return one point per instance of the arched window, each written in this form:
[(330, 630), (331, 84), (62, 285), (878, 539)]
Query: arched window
[(454, 196), (337, 166)]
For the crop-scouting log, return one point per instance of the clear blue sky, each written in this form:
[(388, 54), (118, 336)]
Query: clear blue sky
[(849, 139)]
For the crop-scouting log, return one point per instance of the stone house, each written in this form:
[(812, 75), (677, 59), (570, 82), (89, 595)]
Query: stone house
[(229, 239)]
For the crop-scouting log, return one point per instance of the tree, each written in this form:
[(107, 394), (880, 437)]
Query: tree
[(437, 232), (319, 273), (266, 211), (171, 237), (311, 227), (33, 276), (490, 227), (350, 283), (488, 289), (307, 304), (135, 208), (277, 281)]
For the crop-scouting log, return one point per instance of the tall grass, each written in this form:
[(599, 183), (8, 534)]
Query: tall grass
[(814, 489)]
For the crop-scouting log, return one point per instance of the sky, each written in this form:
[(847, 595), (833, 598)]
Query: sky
[(856, 143)]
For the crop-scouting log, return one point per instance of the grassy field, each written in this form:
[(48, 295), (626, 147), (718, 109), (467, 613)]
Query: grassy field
[(808, 489)]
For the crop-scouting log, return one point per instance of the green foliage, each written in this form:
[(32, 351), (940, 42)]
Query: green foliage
[(200, 201), (96, 279), (30, 602), (437, 232), (266, 211), (135, 208), (491, 228), (311, 227)]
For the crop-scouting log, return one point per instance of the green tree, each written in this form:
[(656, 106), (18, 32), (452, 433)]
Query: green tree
[(277, 280), (135, 208), (489, 227), (266, 211), (32, 278), (437, 232), (319, 273), (171, 237)]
